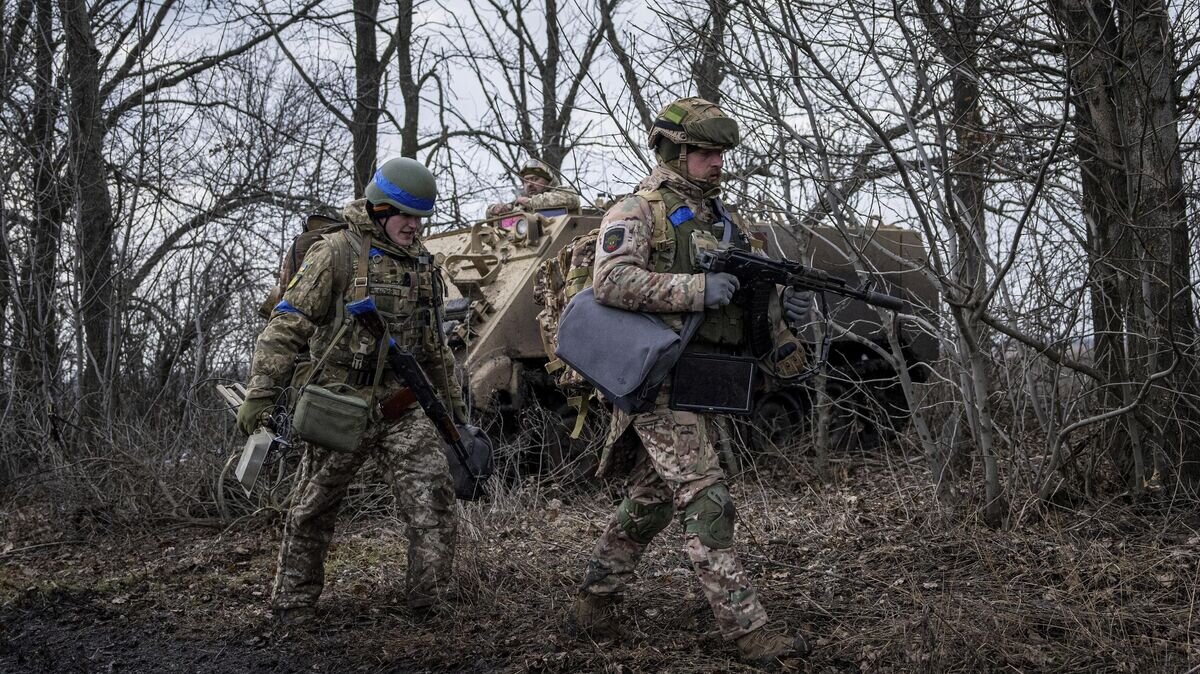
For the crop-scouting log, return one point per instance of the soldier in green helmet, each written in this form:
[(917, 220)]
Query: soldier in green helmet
[(646, 261), (377, 254), (540, 193)]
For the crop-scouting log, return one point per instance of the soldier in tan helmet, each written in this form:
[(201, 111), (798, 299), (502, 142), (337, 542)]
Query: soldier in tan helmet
[(540, 193), (645, 261)]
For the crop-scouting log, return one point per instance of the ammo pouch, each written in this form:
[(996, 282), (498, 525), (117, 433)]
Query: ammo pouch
[(626, 355), (334, 421), (713, 382)]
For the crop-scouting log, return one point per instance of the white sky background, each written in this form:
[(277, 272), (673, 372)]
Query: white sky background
[(598, 165)]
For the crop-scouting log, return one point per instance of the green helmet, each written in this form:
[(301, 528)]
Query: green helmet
[(402, 184), (696, 122)]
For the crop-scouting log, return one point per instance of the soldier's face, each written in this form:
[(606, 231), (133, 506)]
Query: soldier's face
[(402, 228), (534, 184), (704, 164)]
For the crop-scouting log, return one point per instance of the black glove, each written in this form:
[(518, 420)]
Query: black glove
[(719, 288), (250, 412), (797, 304)]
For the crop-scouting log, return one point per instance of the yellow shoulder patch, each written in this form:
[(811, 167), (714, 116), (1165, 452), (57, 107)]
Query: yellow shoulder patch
[(297, 275)]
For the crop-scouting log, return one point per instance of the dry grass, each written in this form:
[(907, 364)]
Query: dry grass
[(883, 578)]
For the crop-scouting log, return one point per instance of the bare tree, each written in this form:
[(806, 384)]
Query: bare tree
[(532, 80), (1123, 71)]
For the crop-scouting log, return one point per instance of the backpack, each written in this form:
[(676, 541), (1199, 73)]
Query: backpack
[(315, 228), (558, 280)]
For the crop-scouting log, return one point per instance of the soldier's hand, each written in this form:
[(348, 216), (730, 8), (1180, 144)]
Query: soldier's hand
[(459, 409), (250, 413), (719, 288), (796, 305)]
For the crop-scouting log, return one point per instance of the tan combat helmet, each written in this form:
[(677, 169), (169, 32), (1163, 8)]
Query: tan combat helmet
[(536, 167)]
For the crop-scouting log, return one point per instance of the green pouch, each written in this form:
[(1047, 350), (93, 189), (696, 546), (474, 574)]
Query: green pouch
[(332, 420)]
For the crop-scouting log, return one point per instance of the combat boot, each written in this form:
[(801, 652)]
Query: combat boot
[(596, 617), (770, 643), (297, 615)]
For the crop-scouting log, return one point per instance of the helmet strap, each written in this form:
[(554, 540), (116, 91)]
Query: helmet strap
[(379, 213)]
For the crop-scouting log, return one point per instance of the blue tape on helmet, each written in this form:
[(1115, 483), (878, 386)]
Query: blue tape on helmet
[(400, 196), (680, 215)]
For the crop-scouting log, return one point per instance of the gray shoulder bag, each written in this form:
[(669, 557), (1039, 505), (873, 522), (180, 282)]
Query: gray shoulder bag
[(626, 355)]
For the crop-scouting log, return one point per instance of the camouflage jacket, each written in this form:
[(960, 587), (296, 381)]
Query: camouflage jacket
[(645, 258), (555, 198), (407, 291)]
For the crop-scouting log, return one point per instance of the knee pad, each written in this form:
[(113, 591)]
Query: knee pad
[(711, 516), (643, 521)]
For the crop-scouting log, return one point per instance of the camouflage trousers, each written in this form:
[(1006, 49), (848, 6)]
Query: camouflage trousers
[(677, 461), (409, 454)]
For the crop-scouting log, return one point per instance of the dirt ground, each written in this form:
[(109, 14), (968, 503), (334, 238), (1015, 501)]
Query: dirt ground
[(881, 579)]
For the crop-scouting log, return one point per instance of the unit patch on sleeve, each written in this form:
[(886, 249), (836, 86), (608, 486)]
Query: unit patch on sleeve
[(297, 275), (613, 238)]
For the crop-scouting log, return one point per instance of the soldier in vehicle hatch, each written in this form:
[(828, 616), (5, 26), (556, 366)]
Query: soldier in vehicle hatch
[(540, 193), (377, 254), (646, 261)]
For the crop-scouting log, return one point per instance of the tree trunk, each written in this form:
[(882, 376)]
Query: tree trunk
[(93, 209), (37, 361), (958, 42), (708, 70), (1122, 67), (410, 87), (364, 121)]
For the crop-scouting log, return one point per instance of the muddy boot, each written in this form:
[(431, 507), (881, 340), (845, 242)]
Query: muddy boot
[(297, 615), (595, 617), (770, 643)]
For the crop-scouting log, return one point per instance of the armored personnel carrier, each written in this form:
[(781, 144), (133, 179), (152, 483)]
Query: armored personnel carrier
[(492, 266), (868, 404), (491, 269)]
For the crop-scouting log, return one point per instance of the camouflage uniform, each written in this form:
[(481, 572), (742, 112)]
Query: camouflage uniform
[(554, 199), (643, 264), (406, 289)]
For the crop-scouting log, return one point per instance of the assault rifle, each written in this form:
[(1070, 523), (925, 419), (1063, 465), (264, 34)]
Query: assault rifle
[(755, 270), (404, 365)]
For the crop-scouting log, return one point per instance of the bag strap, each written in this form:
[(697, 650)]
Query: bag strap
[(380, 361), (325, 356), (361, 290)]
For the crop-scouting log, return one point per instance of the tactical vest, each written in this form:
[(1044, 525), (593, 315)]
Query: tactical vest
[(675, 226), (407, 291)]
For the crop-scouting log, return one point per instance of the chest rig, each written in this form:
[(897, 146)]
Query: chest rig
[(405, 288), (679, 235)]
